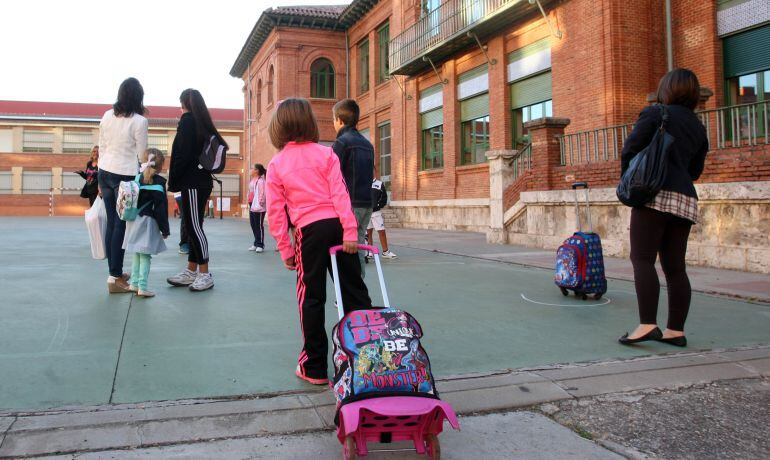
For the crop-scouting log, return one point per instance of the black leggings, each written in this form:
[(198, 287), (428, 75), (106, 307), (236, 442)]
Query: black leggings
[(652, 233)]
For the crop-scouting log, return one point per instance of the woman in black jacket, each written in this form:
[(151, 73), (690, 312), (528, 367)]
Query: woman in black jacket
[(662, 226), (195, 183), (91, 175)]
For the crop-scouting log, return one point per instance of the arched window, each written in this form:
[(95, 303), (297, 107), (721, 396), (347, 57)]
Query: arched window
[(270, 75), (322, 79), (259, 96)]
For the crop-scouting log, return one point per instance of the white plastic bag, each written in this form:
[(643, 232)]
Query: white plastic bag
[(96, 222)]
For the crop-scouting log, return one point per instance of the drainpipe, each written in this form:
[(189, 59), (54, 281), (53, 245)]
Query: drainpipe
[(669, 38), (248, 125), (347, 64)]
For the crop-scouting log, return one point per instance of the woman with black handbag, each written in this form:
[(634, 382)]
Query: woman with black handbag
[(662, 225), (90, 189)]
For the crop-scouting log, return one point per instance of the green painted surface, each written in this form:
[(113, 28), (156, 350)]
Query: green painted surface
[(243, 336)]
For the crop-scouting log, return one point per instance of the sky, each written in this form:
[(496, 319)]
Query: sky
[(80, 50)]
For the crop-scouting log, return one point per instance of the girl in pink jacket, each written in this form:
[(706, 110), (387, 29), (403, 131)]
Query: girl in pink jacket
[(306, 183)]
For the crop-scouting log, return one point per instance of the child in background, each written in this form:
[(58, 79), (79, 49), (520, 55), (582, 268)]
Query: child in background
[(257, 207), (145, 235), (377, 222), (306, 181)]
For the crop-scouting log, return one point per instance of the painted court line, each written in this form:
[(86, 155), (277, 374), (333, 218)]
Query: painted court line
[(607, 300)]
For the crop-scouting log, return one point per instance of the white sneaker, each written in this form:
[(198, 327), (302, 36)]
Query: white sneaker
[(252, 248), (258, 249), (202, 282), (142, 293), (185, 278), (389, 255)]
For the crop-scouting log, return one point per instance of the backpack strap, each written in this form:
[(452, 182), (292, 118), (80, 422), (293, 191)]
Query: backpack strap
[(663, 117), (155, 187)]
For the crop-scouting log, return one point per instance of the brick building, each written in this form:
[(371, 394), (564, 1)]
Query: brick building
[(43, 143), (475, 105)]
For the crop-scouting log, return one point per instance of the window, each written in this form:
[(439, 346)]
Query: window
[(158, 141), (753, 88), (322, 79), (474, 128), (475, 140), (37, 141), (78, 142), (383, 134), (429, 9), (234, 144), (530, 100), (383, 36), (363, 67), (270, 75), (259, 96), (433, 147), (365, 133)]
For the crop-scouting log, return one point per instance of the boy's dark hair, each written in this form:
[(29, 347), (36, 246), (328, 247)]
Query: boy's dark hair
[(293, 121), (679, 87), (347, 111), (192, 101), (130, 99)]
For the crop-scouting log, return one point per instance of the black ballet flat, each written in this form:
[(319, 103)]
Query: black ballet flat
[(680, 341), (654, 334)]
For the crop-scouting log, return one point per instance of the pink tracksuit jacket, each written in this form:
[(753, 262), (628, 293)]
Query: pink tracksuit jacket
[(305, 179)]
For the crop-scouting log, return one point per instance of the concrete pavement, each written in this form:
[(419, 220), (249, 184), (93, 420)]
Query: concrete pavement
[(65, 342), (241, 427)]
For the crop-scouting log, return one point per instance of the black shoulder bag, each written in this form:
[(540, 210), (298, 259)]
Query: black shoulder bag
[(647, 171)]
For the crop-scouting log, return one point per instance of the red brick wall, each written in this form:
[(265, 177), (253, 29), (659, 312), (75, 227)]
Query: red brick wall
[(697, 46)]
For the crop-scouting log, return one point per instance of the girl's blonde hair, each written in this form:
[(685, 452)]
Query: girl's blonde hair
[(153, 159)]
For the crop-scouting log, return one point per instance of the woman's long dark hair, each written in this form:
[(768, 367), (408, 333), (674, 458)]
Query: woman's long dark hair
[(130, 99), (193, 102)]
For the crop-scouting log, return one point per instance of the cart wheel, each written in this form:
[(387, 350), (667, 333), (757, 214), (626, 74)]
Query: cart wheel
[(434, 446), (584, 296), (597, 296), (564, 291), (349, 448)]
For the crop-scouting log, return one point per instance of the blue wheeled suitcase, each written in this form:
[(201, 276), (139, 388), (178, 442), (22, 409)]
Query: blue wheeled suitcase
[(579, 260)]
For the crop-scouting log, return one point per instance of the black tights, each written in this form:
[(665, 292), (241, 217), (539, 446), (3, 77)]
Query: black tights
[(652, 233)]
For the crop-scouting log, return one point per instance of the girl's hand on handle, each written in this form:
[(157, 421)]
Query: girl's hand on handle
[(350, 247), (290, 264)]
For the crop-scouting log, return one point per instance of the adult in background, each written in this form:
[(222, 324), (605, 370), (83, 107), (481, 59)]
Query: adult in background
[(186, 175), (662, 226), (356, 156), (122, 138), (90, 189)]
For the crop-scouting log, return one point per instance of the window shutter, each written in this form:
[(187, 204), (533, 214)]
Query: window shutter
[(531, 91), (747, 52), (475, 107), (433, 118)]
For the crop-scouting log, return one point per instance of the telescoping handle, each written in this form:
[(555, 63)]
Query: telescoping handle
[(575, 187), (335, 271)]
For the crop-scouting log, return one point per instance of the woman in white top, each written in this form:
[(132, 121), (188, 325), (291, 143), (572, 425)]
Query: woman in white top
[(122, 138)]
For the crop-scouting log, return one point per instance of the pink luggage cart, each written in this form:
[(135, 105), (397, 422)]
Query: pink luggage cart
[(388, 419)]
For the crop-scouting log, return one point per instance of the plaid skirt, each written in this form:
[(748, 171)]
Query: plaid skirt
[(677, 204)]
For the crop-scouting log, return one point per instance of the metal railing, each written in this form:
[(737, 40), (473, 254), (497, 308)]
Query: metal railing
[(449, 19), (726, 127), (522, 161)]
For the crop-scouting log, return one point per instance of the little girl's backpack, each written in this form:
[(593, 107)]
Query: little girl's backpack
[(128, 198)]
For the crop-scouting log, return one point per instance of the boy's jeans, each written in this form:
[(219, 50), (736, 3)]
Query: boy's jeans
[(362, 217), (140, 271)]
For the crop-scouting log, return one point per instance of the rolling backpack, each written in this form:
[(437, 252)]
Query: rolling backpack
[(213, 156), (128, 198), (579, 260)]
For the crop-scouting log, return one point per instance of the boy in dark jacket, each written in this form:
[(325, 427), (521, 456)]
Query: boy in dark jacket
[(356, 161)]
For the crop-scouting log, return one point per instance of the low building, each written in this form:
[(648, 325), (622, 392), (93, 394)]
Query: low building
[(42, 144), (482, 111)]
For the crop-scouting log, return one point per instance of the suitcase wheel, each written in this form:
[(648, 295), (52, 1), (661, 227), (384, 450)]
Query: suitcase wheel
[(564, 291), (597, 296), (582, 295)]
